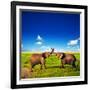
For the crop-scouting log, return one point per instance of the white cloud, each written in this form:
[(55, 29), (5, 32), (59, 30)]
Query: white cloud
[(73, 42), (59, 50), (39, 40), (45, 48), (56, 50), (39, 37), (39, 43), (62, 50)]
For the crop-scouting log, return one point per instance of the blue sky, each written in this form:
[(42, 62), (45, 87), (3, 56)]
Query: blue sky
[(44, 30)]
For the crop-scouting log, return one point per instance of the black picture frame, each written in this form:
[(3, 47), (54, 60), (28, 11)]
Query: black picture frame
[(13, 44)]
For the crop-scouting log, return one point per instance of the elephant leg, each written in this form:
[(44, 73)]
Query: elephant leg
[(62, 63), (31, 67), (73, 64), (41, 66), (43, 63)]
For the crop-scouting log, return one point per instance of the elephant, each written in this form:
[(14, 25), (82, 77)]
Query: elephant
[(36, 59), (66, 59)]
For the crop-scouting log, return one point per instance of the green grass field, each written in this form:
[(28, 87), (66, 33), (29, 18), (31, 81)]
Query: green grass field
[(53, 67)]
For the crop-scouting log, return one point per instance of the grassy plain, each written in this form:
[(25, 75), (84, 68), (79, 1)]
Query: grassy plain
[(53, 67)]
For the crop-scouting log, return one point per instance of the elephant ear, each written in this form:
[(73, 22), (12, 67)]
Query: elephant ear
[(62, 55), (44, 55)]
